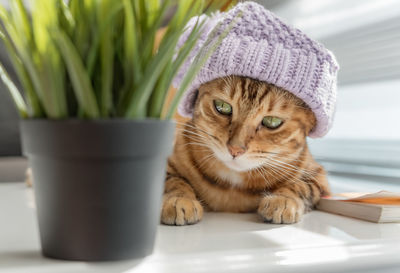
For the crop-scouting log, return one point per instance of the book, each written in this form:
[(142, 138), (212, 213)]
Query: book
[(380, 207)]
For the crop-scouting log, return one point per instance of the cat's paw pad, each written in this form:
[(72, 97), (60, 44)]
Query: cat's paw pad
[(279, 209), (181, 211)]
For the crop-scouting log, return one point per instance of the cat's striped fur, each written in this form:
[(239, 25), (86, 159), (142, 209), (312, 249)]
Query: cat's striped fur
[(275, 174)]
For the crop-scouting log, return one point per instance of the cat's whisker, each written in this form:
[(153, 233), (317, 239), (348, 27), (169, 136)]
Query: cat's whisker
[(276, 167), (294, 167), (272, 168), (207, 136), (286, 164), (286, 160), (268, 160), (280, 164), (263, 152), (192, 132), (291, 175), (289, 155), (251, 173), (292, 178), (259, 173), (196, 144), (205, 141), (286, 175), (194, 127), (260, 170), (280, 154), (288, 171), (193, 135), (264, 169), (205, 159), (315, 157), (196, 138), (281, 157), (199, 130)]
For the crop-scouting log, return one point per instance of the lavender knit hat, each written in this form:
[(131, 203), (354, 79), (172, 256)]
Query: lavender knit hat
[(262, 47)]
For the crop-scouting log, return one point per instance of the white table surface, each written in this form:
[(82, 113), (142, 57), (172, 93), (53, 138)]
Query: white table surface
[(222, 242)]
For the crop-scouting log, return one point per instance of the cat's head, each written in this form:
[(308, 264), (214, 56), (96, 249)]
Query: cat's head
[(248, 123)]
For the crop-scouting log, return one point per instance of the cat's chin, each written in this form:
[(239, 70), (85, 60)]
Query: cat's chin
[(238, 165), (235, 166)]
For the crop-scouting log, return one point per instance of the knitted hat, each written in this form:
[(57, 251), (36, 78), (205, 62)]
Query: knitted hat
[(262, 47)]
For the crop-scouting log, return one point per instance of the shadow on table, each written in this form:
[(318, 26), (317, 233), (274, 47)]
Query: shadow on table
[(32, 261), (216, 232), (334, 225)]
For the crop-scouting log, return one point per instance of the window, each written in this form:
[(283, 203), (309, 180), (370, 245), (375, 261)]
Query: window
[(365, 37)]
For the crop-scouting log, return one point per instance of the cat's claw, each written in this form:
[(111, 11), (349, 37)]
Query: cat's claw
[(279, 209), (181, 211)]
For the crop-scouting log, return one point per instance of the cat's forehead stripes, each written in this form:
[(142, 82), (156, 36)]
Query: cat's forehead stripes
[(248, 89), (251, 94)]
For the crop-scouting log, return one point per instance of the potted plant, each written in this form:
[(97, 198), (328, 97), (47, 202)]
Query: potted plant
[(95, 122)]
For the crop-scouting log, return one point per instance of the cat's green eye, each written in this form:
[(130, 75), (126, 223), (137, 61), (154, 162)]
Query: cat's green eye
[(272, 122), (223, 107)]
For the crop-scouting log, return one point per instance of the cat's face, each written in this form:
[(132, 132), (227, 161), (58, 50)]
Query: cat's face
[(248, 123)]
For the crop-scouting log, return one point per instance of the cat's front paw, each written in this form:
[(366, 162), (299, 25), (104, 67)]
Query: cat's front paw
[(279, 209), (181, 211)]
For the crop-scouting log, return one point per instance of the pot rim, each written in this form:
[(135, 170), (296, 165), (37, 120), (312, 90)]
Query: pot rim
[(76, 138)]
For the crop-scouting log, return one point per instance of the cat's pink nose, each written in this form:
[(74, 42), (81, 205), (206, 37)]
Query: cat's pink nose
[(235, 150)]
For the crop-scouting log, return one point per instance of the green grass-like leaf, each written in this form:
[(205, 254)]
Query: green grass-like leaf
[(106, 60), (15, 93), (47, 58), (98, 58), (34, 108), (79, 76), (158, 97), (105, 21), (202, 57), (138, 101)]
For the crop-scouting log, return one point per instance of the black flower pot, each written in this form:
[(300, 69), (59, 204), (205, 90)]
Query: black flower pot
[(98, 185)]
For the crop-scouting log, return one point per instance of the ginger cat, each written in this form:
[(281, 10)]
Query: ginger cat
[(244, 150)]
